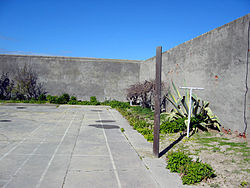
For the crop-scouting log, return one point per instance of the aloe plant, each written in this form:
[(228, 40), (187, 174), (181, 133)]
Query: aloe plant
[(198, 108)]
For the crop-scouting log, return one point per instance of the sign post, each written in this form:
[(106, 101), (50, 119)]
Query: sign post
[(190, 102), (157, 100)]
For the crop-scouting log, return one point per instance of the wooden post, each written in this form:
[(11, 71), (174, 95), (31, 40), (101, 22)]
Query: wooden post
[(157, 100)]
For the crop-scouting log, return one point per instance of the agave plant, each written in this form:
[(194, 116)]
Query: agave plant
[(199, 109)]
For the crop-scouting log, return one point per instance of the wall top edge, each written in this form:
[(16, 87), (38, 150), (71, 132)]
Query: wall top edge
[(247, 16), (76, 58)]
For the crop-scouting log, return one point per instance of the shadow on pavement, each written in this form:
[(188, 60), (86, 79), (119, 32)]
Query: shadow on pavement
[(105, 121), (100, 126), (5, 120), (21, 107)]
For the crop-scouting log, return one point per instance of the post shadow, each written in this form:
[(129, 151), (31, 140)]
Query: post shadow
[(172, 145)]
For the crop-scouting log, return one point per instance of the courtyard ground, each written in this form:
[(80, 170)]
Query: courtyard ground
[(75, 146)]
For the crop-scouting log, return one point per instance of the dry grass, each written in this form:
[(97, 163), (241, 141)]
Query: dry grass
[(229, 156)]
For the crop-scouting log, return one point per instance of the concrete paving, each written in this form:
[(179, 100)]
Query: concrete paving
[(75, 146)]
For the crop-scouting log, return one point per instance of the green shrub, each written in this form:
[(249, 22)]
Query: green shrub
[(195, 172), (32, 101), (180, 124), (73, 98), (93, 99), (85, 103), (65, 97), (73, 102), (52, 99), (149, 137), (42, 97), (192, 171), (147, 133), (118, 104), (176, 160), (173, 126), (147, 112), (61, 100)]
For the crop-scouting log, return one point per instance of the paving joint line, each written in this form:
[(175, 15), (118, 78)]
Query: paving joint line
[(53, 156), (146, 166), (28, 158), (26, 138), (23, 164), (110, 154), (71, 155)]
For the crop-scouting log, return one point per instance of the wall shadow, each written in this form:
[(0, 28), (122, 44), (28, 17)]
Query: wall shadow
[(105, 126)]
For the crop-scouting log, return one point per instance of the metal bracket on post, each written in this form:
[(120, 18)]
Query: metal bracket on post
[(190, 102), (157, 100)]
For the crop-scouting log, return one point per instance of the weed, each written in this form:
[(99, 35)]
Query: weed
[(216, 149), (233, 144), (122, 130), (243, 183), (246, 170)]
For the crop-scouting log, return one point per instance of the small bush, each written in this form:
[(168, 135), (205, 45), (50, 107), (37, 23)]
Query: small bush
[(146, 112), (192, 171), (73, 98), (65, 97), (93, 99), (118, 104), (42, 97), (73, 102), (6, 86), (173, 126), (52, 99), (149, 137), (26, 84), (61, 100), (195, 172), (176, 160), (85, 103)]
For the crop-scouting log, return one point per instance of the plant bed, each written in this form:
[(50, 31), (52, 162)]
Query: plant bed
[(227, 154)]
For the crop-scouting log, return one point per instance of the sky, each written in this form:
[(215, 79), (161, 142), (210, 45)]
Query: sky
[(126, 29)]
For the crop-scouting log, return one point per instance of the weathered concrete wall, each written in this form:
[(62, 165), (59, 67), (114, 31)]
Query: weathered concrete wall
[(81, 77), (216, 61)]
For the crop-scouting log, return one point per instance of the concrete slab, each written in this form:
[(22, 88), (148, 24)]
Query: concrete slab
[(93, 179), (75, 146)]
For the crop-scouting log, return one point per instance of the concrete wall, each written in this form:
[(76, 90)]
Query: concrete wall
[(81, 77), (216, 61)]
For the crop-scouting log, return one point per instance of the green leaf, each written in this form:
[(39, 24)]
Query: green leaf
[(176, 90)]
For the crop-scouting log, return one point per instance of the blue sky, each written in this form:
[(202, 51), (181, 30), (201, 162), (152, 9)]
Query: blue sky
[(130, 29)]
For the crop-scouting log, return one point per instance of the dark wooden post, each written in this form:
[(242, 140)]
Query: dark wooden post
[(157, 100)]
